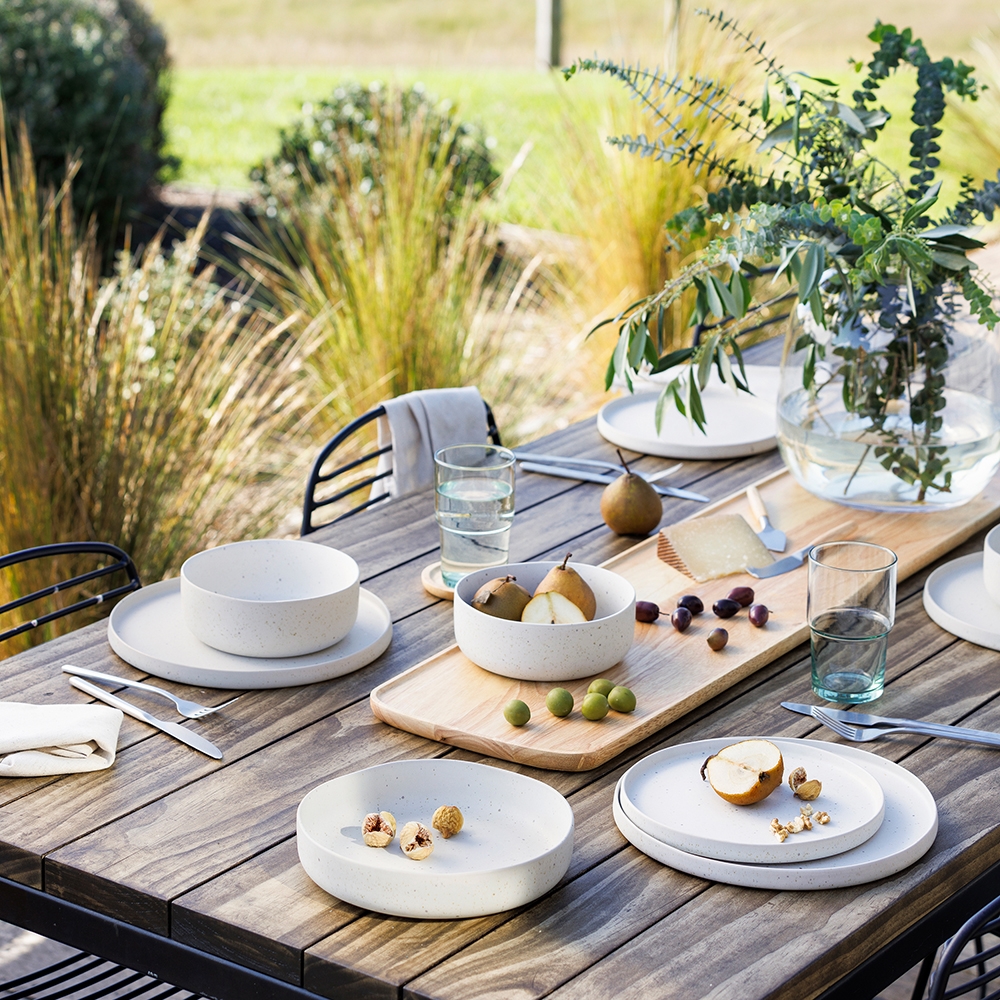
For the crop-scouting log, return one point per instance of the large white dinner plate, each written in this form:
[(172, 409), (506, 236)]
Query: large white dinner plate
[(665, 796), (515, 845), (147, 629), (906, 834), (738, 424), (955, 598)]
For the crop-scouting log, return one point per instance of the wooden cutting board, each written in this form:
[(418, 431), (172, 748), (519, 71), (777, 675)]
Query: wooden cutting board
[(448, 698)]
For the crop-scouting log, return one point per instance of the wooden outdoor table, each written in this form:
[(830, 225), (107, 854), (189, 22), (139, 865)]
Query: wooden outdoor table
[(178, 864)]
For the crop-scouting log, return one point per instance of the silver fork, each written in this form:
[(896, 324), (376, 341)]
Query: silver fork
[(865, 734), (189, 709)]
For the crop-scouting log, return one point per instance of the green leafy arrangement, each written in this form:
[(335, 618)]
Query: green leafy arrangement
[(90, 82), (349, 126), (875, 274)]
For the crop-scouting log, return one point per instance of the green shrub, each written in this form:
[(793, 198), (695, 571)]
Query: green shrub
[(88, 77), (350, 126)]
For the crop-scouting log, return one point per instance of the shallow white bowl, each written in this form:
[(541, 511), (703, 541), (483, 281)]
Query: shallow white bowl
[(515, 844), (547, 652), (272, 597)]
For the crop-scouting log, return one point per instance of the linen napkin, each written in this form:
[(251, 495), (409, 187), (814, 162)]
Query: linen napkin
[(56, 739), (420, 423)]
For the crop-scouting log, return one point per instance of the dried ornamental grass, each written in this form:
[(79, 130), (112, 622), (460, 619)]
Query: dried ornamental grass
[(150, 409)]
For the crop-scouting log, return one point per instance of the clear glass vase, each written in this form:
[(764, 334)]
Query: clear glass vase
[(891, 462)]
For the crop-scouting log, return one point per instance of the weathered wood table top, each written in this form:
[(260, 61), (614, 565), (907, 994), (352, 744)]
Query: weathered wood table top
[(203, 852)]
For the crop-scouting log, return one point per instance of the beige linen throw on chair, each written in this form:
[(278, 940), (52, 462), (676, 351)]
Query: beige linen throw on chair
[(56, 739), (417, 425)]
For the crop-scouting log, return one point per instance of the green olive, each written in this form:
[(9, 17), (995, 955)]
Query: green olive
[(601, 686), (559, 702), (595, 706), (516, 712), (621, 699)]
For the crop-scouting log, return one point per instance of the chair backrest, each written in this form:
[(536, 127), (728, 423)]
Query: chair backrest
[(121, 562), (952, 977), (317, 477)]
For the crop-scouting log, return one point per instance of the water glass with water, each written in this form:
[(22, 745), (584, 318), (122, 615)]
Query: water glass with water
[(474, 506), (851, 608)]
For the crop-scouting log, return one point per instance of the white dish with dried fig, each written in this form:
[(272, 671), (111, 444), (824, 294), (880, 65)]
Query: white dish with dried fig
[(514, 843), (665, 796), (906, 834)]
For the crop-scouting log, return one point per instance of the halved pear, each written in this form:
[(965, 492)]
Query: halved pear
[(552, 609), (566, 581), (745, 772)]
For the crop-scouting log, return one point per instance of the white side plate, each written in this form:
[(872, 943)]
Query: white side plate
[(147, 629), (956, 599), (906, 834), (665, 796), (737, 424), (515, 845)]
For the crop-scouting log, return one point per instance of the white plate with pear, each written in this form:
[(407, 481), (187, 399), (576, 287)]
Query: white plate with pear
[(676, 796), (580, 626)]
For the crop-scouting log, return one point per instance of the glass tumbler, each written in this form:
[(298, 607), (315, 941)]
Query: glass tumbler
[(851, 608), (474, 507)]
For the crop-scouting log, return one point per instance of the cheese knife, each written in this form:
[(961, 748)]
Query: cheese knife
[(583, 475), (170, 728), (795, 559), (774, 539), (878, 721)]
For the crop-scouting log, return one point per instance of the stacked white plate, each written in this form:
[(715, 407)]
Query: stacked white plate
[(882, 818)]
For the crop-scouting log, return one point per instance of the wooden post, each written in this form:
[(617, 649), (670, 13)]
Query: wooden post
[(548, 33)]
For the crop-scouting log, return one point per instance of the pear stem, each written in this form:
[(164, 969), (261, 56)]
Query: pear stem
[(566, 560), (628, 471)]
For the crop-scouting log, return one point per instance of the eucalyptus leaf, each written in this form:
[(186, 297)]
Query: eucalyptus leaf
[(783, 132), (715, 305), (812, 270), (637, 346)]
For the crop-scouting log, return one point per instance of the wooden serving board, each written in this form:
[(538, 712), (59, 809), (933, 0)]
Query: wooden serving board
[(448, 698)]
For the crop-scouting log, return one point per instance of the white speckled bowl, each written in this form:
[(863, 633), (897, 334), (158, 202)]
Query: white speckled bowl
[(547, 652), (271, 597), (515, 844)]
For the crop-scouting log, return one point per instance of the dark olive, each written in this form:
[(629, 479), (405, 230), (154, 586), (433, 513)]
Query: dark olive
[(646, 611), (758, 615), (717, 638), (680, 619), (743, 596), (692, 603), (725, 608)]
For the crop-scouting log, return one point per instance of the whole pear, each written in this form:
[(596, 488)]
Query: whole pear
[(502, 598), (566, 581), (629, 505)]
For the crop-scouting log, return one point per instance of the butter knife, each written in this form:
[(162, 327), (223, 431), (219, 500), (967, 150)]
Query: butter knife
[(582, 475), (795, 559), (878, 721), (170, 728)]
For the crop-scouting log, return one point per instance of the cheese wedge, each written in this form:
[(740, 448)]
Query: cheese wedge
[(706, 548)]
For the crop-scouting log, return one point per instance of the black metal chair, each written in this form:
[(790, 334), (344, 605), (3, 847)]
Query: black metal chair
[(317, 477), (122, 562), (954, 965), (81, 976)]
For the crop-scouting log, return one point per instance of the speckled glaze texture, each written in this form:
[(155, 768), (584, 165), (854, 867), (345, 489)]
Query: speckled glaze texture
[(906, 834), (271, 597), (515, 845), (547, 652)]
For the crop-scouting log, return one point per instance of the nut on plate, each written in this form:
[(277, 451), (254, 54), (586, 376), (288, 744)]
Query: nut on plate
[(447, 820), (805, 788), (415, 841), (378, 829)]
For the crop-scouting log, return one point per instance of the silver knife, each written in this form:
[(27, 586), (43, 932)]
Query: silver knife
[(774, 539), (795, 559), (592, 463), (170, 728), (877, 721), (597, 477)]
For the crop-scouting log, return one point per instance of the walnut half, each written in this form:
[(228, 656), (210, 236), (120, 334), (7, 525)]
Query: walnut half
[(415, 841), (447, 820)]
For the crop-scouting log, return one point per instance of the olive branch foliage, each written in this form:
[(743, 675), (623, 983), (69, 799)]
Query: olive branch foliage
[(812, 203)]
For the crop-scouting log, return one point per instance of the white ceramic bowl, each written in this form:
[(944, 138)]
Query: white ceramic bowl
[(991, 564), (547, 652), (514, 846), (273, 597)]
